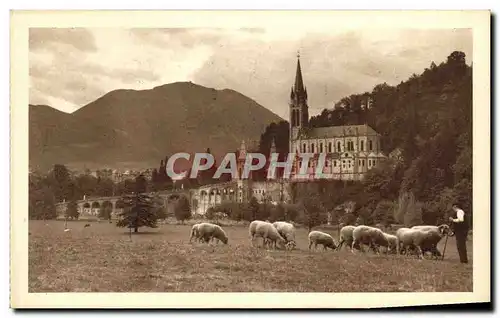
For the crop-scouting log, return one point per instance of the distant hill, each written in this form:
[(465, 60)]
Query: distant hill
[(136, 129)]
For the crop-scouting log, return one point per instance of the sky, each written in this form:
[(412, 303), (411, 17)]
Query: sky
[(69, 68)]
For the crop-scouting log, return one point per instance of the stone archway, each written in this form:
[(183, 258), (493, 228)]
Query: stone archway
[(87, 208)]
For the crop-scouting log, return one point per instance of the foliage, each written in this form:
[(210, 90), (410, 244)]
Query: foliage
[(383, 213), (42, 203), (139, 210), (182, 209), (253, 207), (72, 210), (105, 211), (313, 211)]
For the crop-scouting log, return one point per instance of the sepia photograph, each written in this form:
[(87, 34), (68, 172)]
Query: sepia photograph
[(270, 153)]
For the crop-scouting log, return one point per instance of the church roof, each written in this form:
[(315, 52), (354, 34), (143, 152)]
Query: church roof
[(338, 131)]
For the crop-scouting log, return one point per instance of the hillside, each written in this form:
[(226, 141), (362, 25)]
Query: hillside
[(135, 129), (428, 117)]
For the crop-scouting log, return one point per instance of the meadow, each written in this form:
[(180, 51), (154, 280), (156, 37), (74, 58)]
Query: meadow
[(102, 258)]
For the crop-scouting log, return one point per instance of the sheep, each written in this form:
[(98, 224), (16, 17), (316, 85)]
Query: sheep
[(346, 236), (287, 231), (371, 236), (393, 244), (267, 231), (423, 239), (317, 237), (194, 233), (441, 231), (209, 231), (443, 228)]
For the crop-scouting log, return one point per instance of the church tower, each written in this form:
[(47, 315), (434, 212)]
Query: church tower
[(299, 110)]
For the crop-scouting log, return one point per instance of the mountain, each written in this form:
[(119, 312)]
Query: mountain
[(138, 128)]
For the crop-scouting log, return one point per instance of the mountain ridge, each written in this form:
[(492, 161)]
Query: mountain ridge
[(143, 126)]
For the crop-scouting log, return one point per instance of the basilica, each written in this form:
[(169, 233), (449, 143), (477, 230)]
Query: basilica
[(350, 152)]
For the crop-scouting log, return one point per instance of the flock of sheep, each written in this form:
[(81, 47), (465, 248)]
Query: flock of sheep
[(418, 239)]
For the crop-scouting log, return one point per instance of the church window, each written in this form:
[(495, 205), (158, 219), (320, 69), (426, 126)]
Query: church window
[(321, 147), (326, 163), (334, 163), (304, 148), (330, 147), (370, 145), (338, 147), (362, 145), (360, 162), (312, 148)]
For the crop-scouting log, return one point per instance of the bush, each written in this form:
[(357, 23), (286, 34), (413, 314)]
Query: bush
[(182, 209)]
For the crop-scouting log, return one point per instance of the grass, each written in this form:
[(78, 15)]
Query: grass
[(102, 258)]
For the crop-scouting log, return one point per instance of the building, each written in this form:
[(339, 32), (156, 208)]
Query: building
[(350, 150), (240, 190)]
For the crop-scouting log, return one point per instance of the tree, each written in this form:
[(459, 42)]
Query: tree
[(105, 211), (72, 210), (277, 213), (312, 208), (182, 209), (254, 208), (141, 184), (161, 213), (42, 203), (383, 213), (104, 187), (60, 183), (139, 210)]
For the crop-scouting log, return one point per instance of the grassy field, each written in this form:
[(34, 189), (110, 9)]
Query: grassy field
[(102, 258)]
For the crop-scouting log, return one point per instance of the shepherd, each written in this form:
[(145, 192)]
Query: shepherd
[(461, 229)]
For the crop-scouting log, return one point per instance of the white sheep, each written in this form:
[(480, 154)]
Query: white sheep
[(195, 233), (267, 231), (372, 236), (422, 240), (442, 231), (209, 231), (325, 239), (392, 241), (287, 231), (443, 228), (346, 236)]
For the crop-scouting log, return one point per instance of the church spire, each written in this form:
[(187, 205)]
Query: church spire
[(299, 83)]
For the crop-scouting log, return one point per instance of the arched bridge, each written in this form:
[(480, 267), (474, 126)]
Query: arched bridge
[(90, 206)]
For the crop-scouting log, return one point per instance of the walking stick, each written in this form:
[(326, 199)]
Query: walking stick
[(445, 243)]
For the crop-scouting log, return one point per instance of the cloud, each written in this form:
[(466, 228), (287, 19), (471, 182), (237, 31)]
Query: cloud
[(333, 66), (44, 38), (72, 67)]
